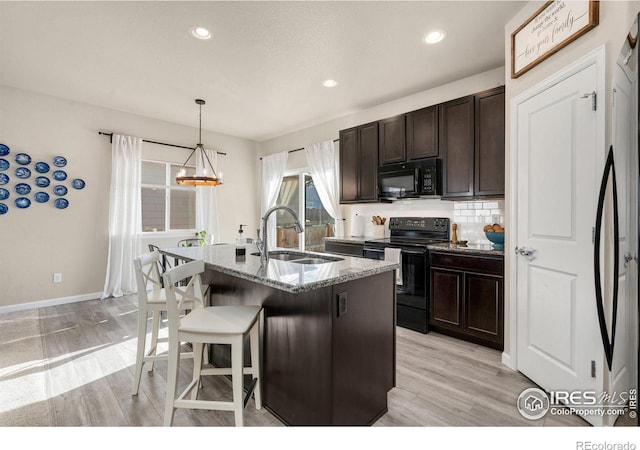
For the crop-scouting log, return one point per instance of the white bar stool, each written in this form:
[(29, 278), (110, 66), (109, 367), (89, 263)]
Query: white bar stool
[(212, 325), (152, 301)]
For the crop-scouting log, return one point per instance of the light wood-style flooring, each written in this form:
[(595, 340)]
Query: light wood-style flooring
[(72, 365)]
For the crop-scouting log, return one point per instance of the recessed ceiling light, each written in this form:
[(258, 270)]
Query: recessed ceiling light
[(433, 37), (329, 83), (200, 33)]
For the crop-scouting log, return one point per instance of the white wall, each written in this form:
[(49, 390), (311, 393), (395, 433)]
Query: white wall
[(41, 240), (615, 19)]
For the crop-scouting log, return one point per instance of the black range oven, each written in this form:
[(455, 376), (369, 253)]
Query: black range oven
[(411, 235)]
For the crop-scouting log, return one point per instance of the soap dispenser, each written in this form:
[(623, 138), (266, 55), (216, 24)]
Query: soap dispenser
[(241, 243)]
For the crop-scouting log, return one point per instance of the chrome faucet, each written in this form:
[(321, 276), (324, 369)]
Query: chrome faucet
[(262, 243)]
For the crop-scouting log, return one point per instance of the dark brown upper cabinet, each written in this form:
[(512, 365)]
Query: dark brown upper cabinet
[(489, 143), (359, 164), (456, 139), (422, 133), (391, 140), (471, 143)]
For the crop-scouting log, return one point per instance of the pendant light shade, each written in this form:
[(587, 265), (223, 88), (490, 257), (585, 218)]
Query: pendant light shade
[(205, 176)]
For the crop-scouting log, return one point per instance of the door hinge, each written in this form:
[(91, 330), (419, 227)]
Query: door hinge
[(593, 369), (593, 235), (594, 99)]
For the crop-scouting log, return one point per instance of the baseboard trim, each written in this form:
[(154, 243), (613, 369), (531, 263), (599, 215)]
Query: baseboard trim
[(507, 361), (50, 302)]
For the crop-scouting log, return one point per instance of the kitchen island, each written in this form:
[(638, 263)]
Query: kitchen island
[(329, 330)]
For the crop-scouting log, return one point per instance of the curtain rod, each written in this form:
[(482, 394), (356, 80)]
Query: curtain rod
[(156, 142), (299, 149)]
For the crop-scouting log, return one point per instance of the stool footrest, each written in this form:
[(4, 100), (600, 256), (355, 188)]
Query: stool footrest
[(225, 371)]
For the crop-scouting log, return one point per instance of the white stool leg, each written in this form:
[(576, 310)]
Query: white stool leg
[(197, 367), (237, 363), (254, 337), (172, 380), (155, 326), (142, 337)]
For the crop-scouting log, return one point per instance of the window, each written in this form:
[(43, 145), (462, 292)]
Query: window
[(307, 205), (166, 206)]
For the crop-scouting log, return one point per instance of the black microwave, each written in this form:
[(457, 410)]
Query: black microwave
[(410, 180)]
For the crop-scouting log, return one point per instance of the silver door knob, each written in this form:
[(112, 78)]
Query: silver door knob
[(526, 251), (628, 257)]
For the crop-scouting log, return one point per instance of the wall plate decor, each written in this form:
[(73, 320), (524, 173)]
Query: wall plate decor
[(4, 150), (4, 194), (78, 183), (42, 181), (22, 202), (550, 29), (61, 203), (23, 158), (59, 161), (22, 172), (41, 197), (59, 175), (60, 190), (22, 188), (3, 209), (4, 164), (41, 167)]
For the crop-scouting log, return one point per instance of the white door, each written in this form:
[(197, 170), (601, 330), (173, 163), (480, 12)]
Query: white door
[(558, 161)]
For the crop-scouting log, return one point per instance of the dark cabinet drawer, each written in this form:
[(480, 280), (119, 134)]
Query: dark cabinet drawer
[(344, 248), (483, 264)]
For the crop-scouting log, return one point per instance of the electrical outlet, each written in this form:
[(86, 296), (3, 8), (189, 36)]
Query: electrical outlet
[(57, 277)]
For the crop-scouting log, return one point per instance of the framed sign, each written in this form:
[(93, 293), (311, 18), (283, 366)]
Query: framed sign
[(550, 29)]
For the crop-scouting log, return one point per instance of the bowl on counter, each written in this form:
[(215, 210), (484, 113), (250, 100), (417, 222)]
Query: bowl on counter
[(497, 239)]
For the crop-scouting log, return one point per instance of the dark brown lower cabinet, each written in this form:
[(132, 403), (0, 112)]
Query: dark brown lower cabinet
[(467, 297)]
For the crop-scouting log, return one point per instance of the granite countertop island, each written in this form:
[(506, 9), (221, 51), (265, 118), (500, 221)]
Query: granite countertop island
[(328, 336), (285, 275)]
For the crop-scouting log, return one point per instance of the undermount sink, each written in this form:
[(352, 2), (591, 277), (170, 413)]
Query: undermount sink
[(300, 257)]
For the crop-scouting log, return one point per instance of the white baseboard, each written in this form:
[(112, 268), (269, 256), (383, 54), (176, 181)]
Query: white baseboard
[(50, 302), (507, 361)]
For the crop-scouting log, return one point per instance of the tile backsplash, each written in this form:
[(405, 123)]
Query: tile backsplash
[(471, 216)]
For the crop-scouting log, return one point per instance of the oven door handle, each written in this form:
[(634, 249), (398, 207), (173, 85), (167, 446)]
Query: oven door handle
[(406, 252)]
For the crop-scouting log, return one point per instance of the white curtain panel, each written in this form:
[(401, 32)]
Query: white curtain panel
[(273, 168), (323, 164), (207, 199), (125, 220)]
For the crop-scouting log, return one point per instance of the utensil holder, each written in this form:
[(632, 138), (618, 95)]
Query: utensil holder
[(378, 231)]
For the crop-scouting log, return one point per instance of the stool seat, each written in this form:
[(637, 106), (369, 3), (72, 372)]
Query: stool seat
[(220, 320)]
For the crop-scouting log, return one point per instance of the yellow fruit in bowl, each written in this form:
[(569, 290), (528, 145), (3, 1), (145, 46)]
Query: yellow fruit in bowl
[(488, 228), (497, 228)]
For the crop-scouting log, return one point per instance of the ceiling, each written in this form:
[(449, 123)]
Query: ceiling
[(261, 73)]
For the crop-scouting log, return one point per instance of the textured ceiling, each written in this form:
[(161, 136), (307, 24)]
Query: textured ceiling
[(261, 72)]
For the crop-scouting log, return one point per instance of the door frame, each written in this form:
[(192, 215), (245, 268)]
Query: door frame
[(597, 57)]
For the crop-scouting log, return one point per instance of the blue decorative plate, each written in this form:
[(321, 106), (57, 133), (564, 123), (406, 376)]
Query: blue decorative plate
[(42, 181), (4, 164), (59, 161), (41, 197), (77, 183), (60, 190), (61, 203), (4, 150), (3, 209), (41, 167), (4, 194), (59, 175), (22, 188), (22, 172), (23, 158), (22, 202), (4, 178)]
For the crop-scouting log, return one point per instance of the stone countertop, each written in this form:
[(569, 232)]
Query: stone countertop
[(478, 249), (349, 239), (283, 275)]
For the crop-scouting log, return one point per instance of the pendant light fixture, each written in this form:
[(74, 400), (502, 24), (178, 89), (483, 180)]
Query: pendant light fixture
[(204, 176)]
